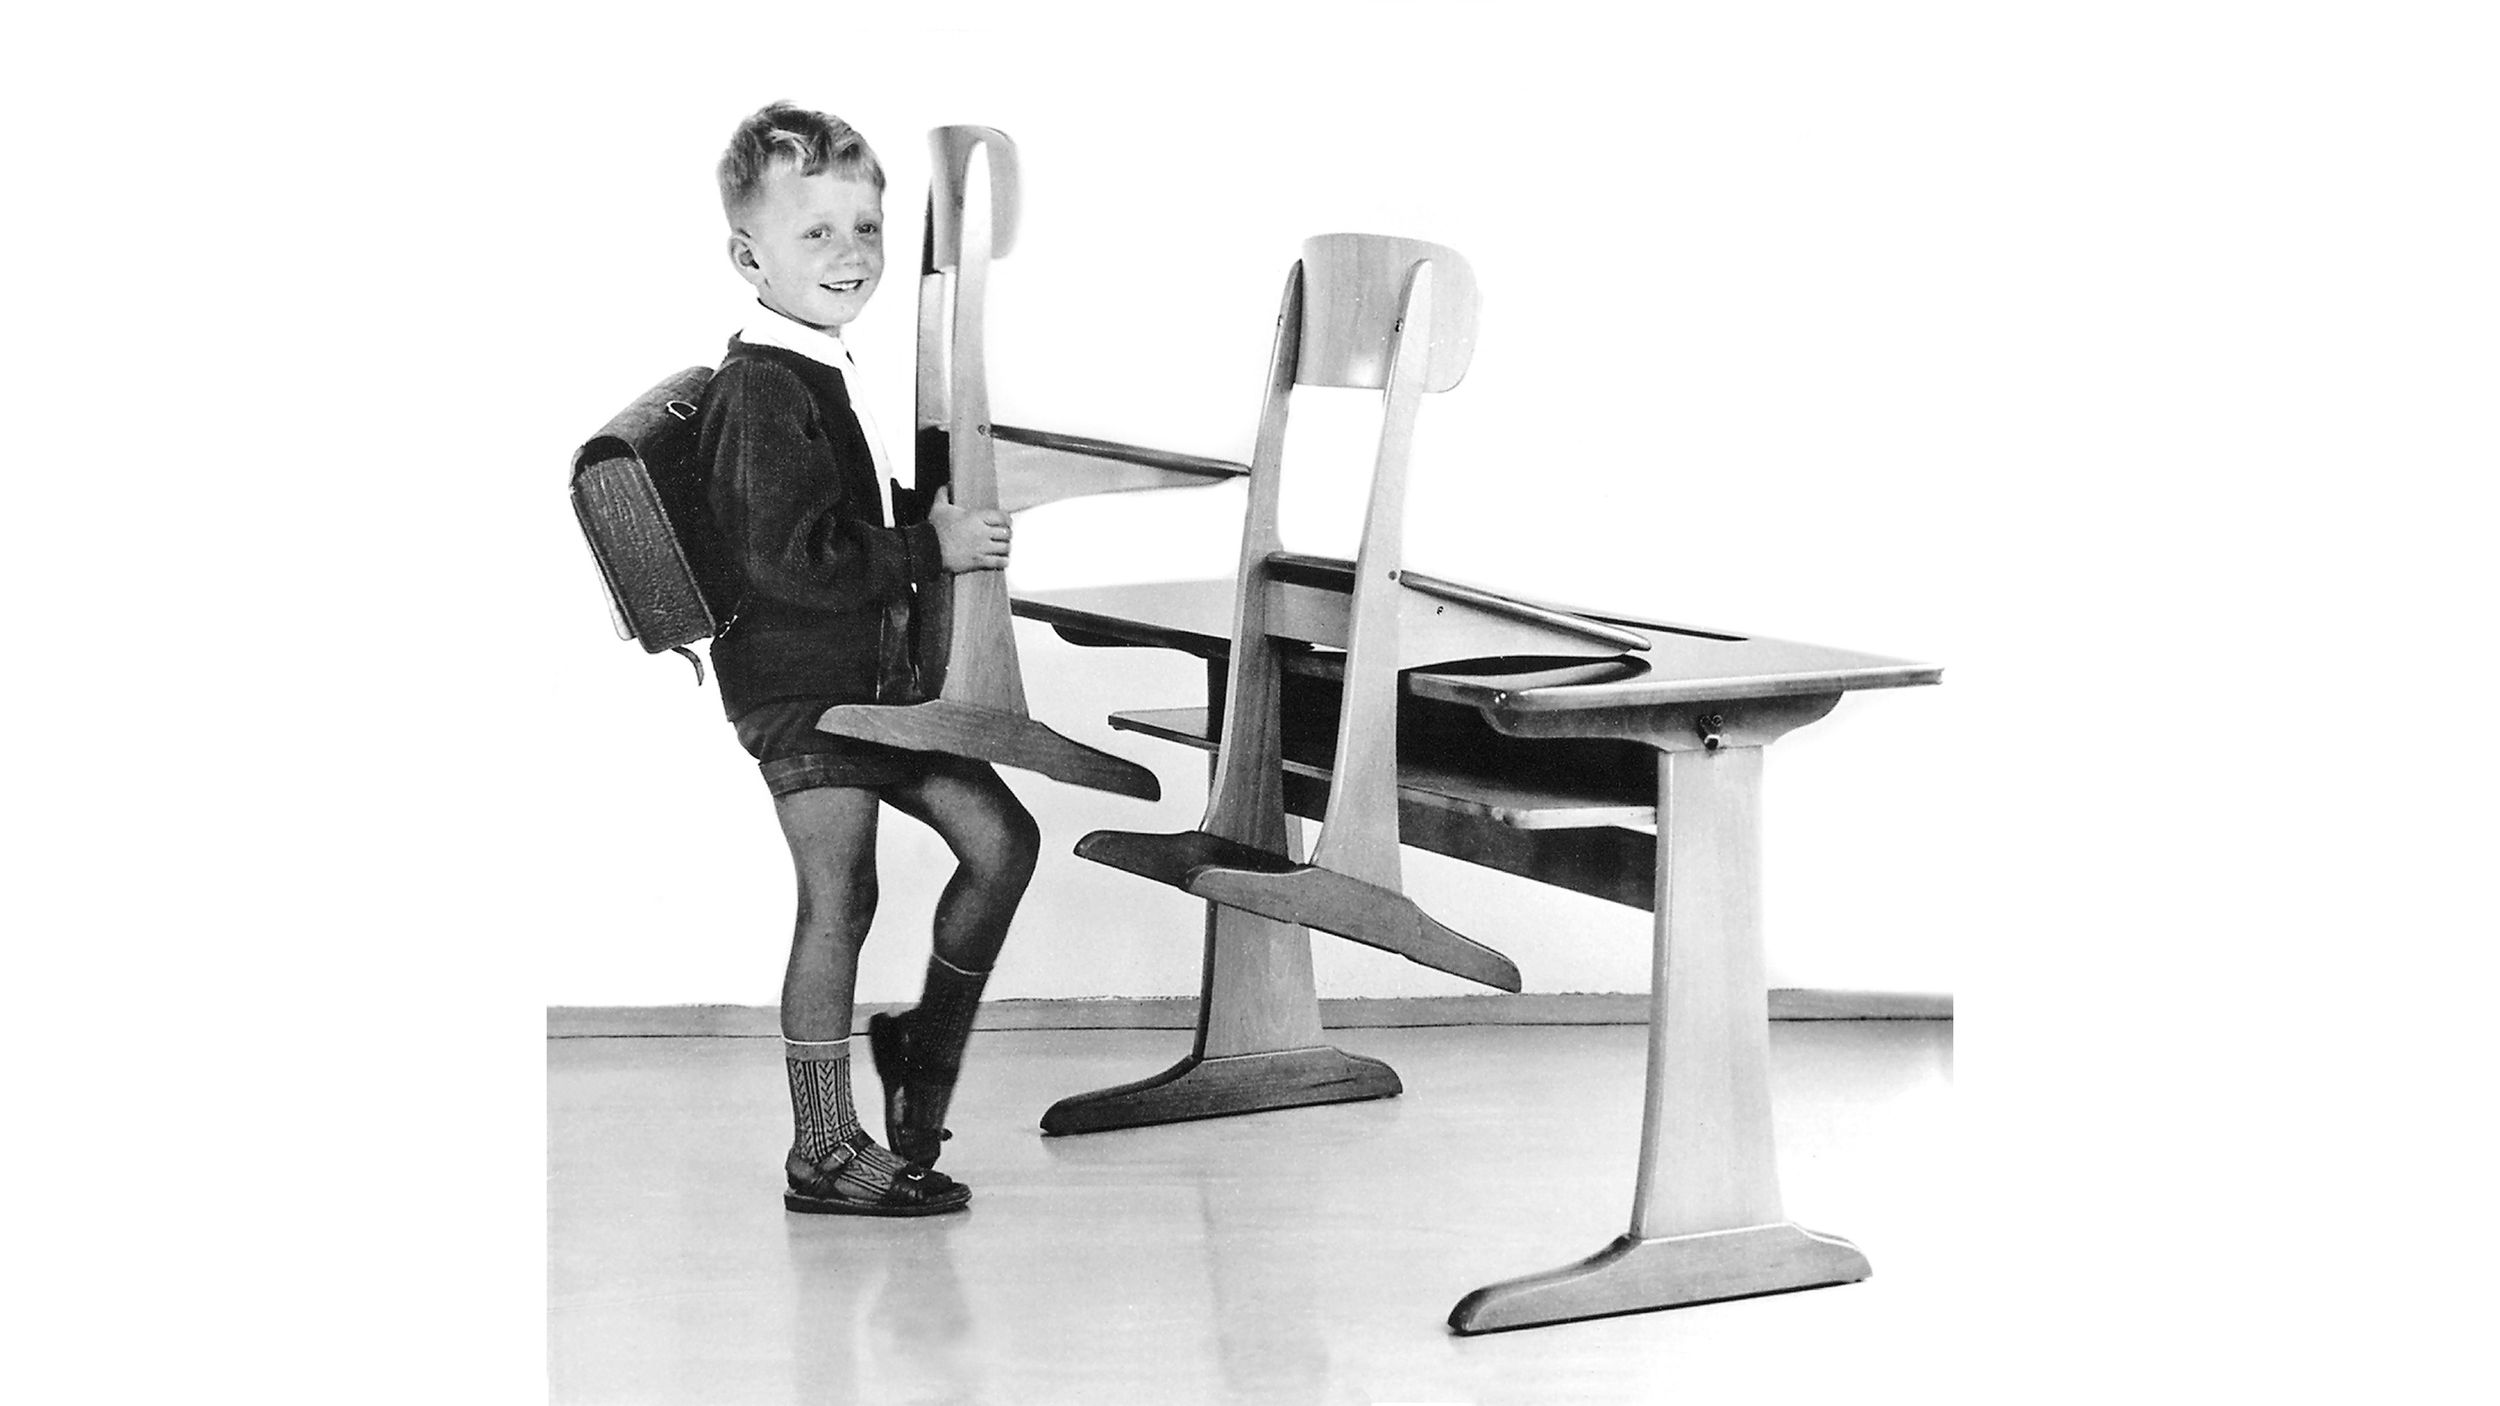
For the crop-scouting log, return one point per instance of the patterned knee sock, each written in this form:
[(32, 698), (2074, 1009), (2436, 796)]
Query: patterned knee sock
[(820, 1107)]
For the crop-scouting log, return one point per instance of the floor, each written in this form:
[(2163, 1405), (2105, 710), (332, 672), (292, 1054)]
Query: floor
[(1305, 1256)]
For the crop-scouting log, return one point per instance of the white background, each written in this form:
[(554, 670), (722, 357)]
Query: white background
[(2135, 362)]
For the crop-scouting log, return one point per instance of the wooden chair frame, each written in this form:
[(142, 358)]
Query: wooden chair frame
[(1396, 315), (968, 636)]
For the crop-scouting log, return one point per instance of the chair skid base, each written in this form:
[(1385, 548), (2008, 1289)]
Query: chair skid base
[(1634, 1275), (1350, 908), (1222, 1085), (991, 735)]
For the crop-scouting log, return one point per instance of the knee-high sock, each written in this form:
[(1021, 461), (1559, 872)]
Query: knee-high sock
[(941, 1024)]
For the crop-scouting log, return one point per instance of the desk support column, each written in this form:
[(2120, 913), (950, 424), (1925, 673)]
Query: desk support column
[(1260, 1044), (1706, 1217)]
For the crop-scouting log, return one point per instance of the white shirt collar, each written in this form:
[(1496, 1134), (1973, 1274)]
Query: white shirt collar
[(767, 328)]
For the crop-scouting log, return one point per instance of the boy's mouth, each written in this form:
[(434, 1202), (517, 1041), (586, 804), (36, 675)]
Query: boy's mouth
[(848, 285)]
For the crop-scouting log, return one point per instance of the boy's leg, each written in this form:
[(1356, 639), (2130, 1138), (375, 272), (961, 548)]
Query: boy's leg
[(834, 1166), (832, 832), (996, 843)]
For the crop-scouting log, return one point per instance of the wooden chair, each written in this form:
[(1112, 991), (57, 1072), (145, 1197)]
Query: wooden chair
[(1398, 316), (968, 636)]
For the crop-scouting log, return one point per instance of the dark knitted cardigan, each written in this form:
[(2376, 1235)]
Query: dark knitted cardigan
[(794, 492)]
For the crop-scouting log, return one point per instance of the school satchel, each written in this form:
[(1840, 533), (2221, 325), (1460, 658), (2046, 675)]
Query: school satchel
[(638, 492)]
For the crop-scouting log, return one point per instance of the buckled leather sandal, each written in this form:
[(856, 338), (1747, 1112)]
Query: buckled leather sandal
[(916, 1092), (816, 1188)]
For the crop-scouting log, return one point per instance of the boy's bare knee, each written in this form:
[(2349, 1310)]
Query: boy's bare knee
[(995, 840), (1008, 849), (1023, 842), (839, 905), (846, 921), (1002, 855)]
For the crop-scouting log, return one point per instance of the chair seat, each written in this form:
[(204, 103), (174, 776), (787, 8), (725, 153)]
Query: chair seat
[(1275, 887), (992, 734)]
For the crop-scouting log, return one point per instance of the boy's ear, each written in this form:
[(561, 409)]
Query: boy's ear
[(742, 258)]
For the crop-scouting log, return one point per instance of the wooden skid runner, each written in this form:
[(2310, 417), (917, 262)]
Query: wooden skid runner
[(1200, 1087), (1009, 739), (1635, 1275)]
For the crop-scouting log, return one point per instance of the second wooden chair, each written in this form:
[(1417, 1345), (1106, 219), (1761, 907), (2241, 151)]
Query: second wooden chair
[(1398, 316)]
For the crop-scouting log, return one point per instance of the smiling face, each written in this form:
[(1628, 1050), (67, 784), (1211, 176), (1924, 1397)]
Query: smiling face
[(813, 246)]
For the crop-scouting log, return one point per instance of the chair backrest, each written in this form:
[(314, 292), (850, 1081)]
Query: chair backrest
[(950, 158), (1353, 293)]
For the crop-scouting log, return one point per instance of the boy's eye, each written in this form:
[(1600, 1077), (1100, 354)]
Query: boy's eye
[(868, 229)]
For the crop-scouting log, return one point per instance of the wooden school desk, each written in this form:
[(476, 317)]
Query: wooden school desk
[(1557, 775)]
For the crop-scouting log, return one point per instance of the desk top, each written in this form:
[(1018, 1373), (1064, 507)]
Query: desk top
[(1682, 665)]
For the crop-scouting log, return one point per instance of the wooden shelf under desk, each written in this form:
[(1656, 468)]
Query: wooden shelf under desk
[(1583, 828)]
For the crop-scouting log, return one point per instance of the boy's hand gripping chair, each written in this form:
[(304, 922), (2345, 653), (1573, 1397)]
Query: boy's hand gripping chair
[(1399, 316)]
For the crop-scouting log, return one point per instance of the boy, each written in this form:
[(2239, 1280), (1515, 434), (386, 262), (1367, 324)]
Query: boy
[(796, 472)]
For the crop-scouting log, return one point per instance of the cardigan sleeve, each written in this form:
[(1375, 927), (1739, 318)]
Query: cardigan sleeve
[(802, 522)]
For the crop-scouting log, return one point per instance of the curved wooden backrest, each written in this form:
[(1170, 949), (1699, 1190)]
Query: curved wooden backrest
[(1353, 288), (950, 154)]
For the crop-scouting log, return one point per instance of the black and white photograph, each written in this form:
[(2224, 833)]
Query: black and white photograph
[(1354, 704)]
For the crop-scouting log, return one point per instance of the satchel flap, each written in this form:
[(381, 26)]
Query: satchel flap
[(656, 420)]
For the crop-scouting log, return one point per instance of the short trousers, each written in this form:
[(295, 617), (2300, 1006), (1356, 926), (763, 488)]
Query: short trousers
[(795, 755)]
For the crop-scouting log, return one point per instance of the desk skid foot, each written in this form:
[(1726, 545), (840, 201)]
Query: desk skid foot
[(1219, 1086), (1634, 1275), (991, 735)]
